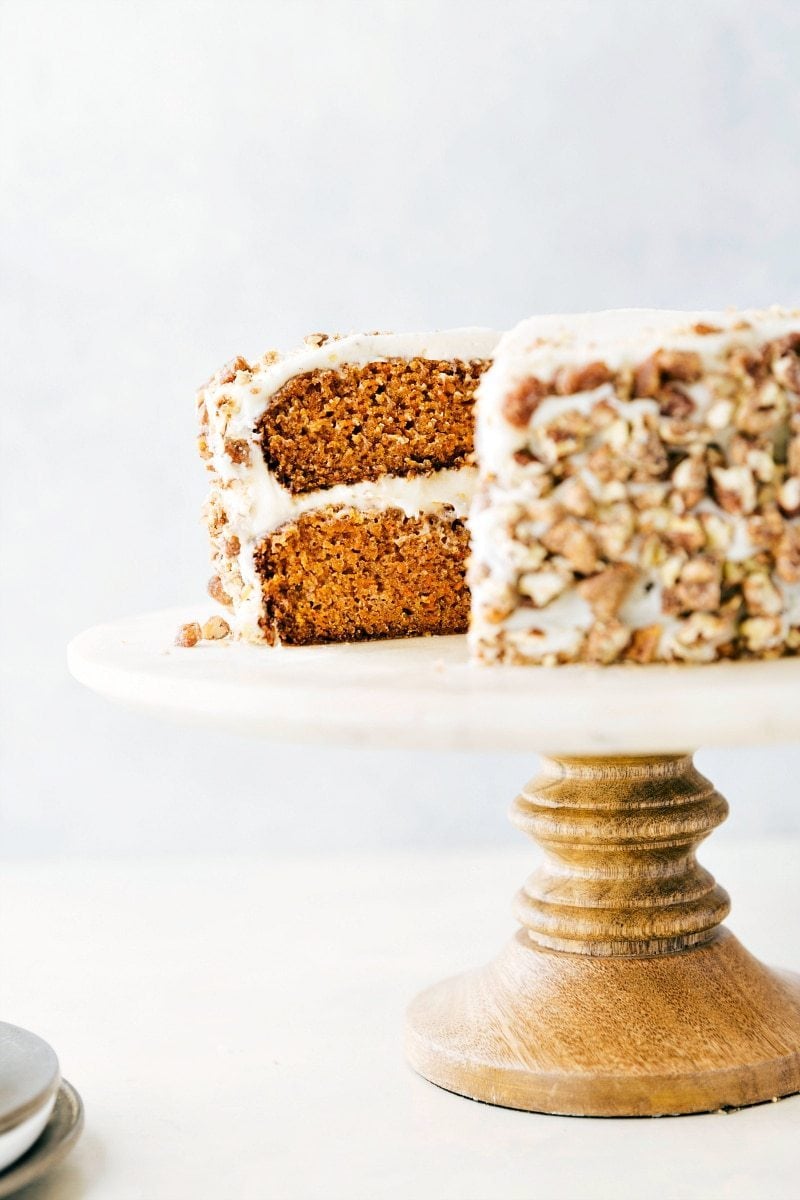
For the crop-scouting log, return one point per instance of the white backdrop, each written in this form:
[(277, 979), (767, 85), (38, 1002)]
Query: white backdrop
[(183, 182)]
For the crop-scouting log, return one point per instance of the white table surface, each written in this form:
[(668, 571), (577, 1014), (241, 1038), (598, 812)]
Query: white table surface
[(235, 1028)]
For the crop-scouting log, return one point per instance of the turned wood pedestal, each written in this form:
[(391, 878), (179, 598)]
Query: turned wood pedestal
[(622, 994)]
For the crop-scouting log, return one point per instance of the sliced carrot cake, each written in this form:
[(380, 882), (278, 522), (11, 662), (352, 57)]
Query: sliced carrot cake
[(341, 478), (640, 489)]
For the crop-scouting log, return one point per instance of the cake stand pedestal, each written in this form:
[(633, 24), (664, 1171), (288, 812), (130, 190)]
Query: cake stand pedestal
[(621, 994)]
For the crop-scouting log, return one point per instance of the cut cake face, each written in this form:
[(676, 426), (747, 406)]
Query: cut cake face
[(341, 478), (639, 497)]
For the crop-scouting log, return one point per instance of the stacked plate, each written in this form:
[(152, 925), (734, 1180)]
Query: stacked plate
[(31, 1089)]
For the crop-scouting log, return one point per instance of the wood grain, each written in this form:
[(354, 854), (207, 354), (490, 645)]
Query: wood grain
[(619, 874), (621, 995)]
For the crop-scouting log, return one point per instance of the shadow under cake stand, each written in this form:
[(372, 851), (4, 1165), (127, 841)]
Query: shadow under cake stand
[(622, 993)]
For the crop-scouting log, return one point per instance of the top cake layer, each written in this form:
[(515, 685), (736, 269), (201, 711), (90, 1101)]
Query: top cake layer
[(641, 488)]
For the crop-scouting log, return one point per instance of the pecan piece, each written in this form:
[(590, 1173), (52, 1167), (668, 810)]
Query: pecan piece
[(643, 646), (606, 641), (217, 592), (788, 344), (683, 365), (521, 403), (685, 533), (586, 378), (188, 635), (787, 556), (703, 329), (761, 596), (747, 364), (665, 366), (566, 435), (789, 496), (761, 411), (697, 589), (237, 450), (691, 476), (700, 634), (231, 369), (787, 372), (766, 529), (543, 586), (761, 633), (574, 496), (569, 539), (215, 629), (675, 403), (793, 456), (605, 593), (734, 489)]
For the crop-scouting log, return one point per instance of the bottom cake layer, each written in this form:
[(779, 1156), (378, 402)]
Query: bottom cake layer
[(340, 575)]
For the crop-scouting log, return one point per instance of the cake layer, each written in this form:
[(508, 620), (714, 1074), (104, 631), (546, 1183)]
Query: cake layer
[(362, 421), (640, 489), (337, 575)]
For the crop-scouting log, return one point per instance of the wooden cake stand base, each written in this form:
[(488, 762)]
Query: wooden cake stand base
[(622, 994)]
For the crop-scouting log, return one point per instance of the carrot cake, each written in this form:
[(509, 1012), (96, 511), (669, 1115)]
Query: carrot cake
[(640, 490), (341, 478)]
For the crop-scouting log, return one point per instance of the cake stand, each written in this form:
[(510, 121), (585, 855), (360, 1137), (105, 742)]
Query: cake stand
[(621, 993)]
